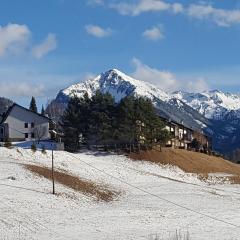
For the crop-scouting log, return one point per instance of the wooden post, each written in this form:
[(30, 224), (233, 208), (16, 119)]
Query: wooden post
[(53, 180)]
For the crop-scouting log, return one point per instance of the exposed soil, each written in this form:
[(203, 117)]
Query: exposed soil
[(191, 162), (99, 192)]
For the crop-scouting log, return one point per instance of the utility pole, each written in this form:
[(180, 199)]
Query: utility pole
[(53, 181)]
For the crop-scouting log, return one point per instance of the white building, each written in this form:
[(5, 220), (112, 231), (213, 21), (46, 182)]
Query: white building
[(21, 124)]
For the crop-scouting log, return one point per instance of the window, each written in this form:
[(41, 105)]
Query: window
[(26, 135), (26, 125), (32, 135), (32, 125)]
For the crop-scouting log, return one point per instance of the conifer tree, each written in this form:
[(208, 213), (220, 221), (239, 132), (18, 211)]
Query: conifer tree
[(126, 120), (101, 119), (42, 111), (33, 105), (138, 122), (74, 122)]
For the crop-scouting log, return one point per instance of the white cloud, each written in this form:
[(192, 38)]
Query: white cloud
[(21, 81), (162, 79), (48, 45), (166, 80), (95, 2), (153, 34), (146, 6), (199, 85), (177, 8), (201, 10), (13, 38), (20, 89), (97, 31), (221, 17)]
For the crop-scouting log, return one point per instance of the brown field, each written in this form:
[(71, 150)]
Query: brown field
[(99, 192), (191, 162)]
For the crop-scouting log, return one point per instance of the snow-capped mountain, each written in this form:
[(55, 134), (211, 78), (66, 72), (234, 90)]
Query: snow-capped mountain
[(212, 104), (118, 84), (215, 112)]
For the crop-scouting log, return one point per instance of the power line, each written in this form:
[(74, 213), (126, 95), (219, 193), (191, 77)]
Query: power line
[(156, 175), (154, 195), (35, 223), (187, 183)]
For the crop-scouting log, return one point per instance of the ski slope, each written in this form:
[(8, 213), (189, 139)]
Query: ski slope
[(154, 200)]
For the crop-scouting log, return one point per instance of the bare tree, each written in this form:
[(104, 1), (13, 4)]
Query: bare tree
[(55, 110), (39, 132)]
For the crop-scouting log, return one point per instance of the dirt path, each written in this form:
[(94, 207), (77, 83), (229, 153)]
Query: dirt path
[(89, 188)]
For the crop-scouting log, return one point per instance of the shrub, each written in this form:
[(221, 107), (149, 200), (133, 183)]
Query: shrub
[(33, 147), (8, 144), (43, 149)]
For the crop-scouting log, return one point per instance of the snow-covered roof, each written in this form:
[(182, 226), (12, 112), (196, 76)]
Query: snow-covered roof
[(19, 106)]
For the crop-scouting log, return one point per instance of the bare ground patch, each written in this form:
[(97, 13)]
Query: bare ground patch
[(99, 192), (192, 162)]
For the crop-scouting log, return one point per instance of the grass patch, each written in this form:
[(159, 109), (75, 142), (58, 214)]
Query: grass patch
[(99, 192), (192, 162)]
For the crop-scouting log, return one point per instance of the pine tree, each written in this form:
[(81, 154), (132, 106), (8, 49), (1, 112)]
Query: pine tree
[(74, 122), (33, 105), (101, 119), (126, 120), (139, 123), (42, 111)]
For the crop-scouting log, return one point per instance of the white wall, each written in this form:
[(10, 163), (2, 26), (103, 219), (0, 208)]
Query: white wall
[(16, 123)]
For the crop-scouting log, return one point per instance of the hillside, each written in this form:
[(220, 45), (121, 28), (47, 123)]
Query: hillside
[(192, 162), (153, 200)]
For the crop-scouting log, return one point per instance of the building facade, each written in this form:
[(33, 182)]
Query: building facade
[(182, 136), (21, 124)]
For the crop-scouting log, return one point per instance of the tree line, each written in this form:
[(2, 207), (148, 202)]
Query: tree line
[(99, 120)]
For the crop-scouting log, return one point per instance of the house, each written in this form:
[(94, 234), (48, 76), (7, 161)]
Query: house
[(204, 140), (21, 124), (181, 135)]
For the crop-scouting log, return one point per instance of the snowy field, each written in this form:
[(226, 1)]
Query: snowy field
[(154, 200)]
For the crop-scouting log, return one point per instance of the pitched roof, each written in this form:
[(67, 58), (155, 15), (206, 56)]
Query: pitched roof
[(17, 105)]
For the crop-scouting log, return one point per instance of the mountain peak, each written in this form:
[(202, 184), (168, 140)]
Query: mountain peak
[(118, 84), (115, 70), (116, 75), (213, 104)]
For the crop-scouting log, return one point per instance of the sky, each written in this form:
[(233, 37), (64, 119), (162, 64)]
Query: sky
[(46, 46)]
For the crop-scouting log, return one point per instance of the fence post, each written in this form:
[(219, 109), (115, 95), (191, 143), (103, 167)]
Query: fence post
[(53, 180)]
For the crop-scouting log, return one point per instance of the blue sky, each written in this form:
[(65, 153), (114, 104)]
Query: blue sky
[(48, 45)]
